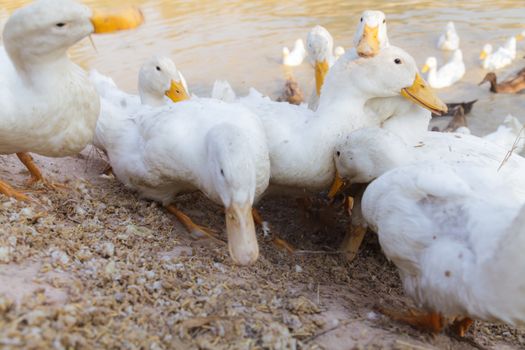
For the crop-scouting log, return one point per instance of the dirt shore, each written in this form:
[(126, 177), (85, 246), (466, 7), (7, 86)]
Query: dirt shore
[(94, 266)]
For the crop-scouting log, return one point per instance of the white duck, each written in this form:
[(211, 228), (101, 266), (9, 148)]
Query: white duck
[(368, 153), (320, 48), (501, 58), (159, 83), (448, 74), (195, 145), (453, 244), (296, 56), (301, 141), (371, 35), (509, 135), (394, 112), (449, 40), (47, 104)]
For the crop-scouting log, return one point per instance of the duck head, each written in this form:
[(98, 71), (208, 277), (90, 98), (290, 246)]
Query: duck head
[(492, 79), (371, 35), (319, 45), (366, 154), (233, 177), (159, 77), (393, 72), (45, 29), (430, 64), (487, 50)]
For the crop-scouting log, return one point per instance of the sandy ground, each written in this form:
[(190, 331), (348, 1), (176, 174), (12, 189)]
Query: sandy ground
[(96, 267)]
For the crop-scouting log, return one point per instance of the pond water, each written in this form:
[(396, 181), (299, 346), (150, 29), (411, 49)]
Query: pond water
[(241, 41)]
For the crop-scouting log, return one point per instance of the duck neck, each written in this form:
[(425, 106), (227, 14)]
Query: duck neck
[(342, 106), (31, 67), (151, 99), (493, 85)]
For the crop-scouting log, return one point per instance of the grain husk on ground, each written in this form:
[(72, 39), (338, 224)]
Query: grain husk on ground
[(95, 267)]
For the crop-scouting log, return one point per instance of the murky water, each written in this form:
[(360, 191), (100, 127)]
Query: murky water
[(242, 40)]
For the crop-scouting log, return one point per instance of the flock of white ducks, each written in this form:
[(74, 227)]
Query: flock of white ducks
[(428, 202)]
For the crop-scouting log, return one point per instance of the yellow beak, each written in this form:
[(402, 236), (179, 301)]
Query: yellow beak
[(425, 68), (109, 22), (240, 228), (520, 37), (321, 69), (482, 55), (368, 46), (177, 92), (336, 185), (421, 94)]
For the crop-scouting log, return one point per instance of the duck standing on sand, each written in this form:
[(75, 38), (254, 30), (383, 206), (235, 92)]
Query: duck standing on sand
[(164, 149), (47, 104)]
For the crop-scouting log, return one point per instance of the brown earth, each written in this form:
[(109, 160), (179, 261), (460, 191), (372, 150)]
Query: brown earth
[(96, 267)]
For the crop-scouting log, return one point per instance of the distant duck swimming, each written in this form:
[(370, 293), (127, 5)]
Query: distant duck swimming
[(502, 57), (512, 85), (296, 56), (448, 74), (449, 40)]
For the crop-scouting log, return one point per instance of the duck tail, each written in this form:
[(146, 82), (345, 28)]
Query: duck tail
[(503, 275)]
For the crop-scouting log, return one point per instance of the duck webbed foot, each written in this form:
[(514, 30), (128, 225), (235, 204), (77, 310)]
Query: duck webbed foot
[(36, 174), (276, 240), (429, 322), (461, 325), (192, 227), (9, 191)]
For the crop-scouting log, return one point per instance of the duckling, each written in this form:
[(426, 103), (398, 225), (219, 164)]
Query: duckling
[(501, 58), (448, 74), (449, 40), (509, 86), (296, 56)]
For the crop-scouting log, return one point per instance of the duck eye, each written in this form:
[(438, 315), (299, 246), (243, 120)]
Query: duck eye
[(60, 25), (397, 61), (338, 153), (384, 21), (361, 19), (158, 68), (222, 172)]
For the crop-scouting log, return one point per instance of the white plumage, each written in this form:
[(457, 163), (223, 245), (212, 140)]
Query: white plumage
[(448, 74), (296, 56), (301, 141), (449, 40), (456, 234), (509, 135), (195, 145), (502, 57)]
